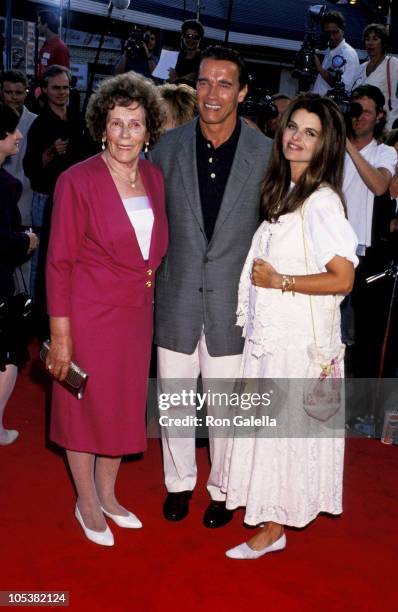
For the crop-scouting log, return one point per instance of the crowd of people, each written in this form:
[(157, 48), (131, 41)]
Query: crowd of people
[(232, 245)]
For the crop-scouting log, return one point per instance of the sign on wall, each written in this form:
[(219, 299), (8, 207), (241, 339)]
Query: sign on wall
[(80, 71), (75, 38)]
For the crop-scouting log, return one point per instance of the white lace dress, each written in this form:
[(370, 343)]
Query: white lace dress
[(289, 480)]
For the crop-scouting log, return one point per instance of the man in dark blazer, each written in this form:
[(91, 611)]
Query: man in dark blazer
[(213, 169)]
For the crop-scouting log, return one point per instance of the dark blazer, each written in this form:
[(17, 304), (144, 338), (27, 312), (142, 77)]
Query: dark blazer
[(44, 131), (197, 284), (93, 250), (14, 243)]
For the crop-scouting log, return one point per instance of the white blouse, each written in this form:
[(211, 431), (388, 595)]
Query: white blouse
[(140, 213), (327, 234), (378, 78)]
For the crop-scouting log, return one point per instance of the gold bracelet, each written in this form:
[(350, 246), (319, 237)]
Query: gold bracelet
[(288, 283), (285, 283)]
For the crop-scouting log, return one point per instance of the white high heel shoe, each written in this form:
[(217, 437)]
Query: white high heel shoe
[(243, 551), (130, 521), (105, 538)]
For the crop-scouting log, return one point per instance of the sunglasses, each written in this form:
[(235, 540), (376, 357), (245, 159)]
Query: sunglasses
[(191, 37)]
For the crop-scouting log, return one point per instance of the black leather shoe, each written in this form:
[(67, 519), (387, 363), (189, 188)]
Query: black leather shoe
[(217, 514), (176, 505)]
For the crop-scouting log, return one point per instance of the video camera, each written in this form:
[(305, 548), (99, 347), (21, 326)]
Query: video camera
[(305, 70), (258, 103), (315, 38), (339, 94), (134, 46)]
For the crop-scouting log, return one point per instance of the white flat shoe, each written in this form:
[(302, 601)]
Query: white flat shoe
[(243, 551), (105, 538), (10, 435), (130, 521)]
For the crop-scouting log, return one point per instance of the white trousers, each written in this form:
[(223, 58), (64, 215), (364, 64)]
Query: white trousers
[(179, 459)]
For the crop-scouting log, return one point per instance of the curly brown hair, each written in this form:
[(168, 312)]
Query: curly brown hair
[(122, 90)]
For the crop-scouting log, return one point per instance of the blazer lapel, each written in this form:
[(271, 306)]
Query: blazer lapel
[(151, 191), (117, 218), (186, 160), (241, 169)]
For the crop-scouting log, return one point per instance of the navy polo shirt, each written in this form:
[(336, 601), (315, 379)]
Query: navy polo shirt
[(214, 166)]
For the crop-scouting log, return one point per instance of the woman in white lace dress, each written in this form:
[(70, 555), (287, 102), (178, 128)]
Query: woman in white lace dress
[(301, 260)]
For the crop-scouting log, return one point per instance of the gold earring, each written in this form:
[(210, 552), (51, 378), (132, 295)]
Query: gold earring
[(103, 144), (146, 147)]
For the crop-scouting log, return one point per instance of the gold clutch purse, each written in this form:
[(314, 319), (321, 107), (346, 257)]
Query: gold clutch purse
[(76, 378)]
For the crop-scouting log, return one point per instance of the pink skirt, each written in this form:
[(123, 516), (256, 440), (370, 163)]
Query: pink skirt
[(113, 345)]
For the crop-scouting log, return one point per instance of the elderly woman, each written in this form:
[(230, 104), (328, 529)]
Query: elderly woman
[(15, 246), (300, 265), (179, 104), (108, 236), (380, 70)]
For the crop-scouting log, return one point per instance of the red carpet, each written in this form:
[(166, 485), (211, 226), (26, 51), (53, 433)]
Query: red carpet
[(334, 564)]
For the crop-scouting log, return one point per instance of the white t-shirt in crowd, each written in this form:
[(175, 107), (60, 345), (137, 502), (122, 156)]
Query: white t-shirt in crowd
[(359, 197), (378, 78), (140, 214), (350, 69)]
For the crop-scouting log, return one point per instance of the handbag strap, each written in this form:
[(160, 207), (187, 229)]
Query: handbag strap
[(389, 83), (310, 297)]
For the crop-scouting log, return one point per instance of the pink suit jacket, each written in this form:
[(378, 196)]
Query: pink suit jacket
[(93, 252)]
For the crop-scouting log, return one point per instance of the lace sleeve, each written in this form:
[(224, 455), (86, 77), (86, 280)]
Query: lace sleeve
[(242, 311)]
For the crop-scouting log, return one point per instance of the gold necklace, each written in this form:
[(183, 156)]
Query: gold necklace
[(132, 181)]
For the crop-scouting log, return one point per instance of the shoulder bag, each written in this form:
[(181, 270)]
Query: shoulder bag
[(322, 387)]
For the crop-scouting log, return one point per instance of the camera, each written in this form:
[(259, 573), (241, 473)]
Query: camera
[(134, 46), (315, 38), (258, 103), (339, 94)]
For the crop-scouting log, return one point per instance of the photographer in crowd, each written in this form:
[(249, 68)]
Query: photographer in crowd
[(333, 25), (369, 168), (139, 53)]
